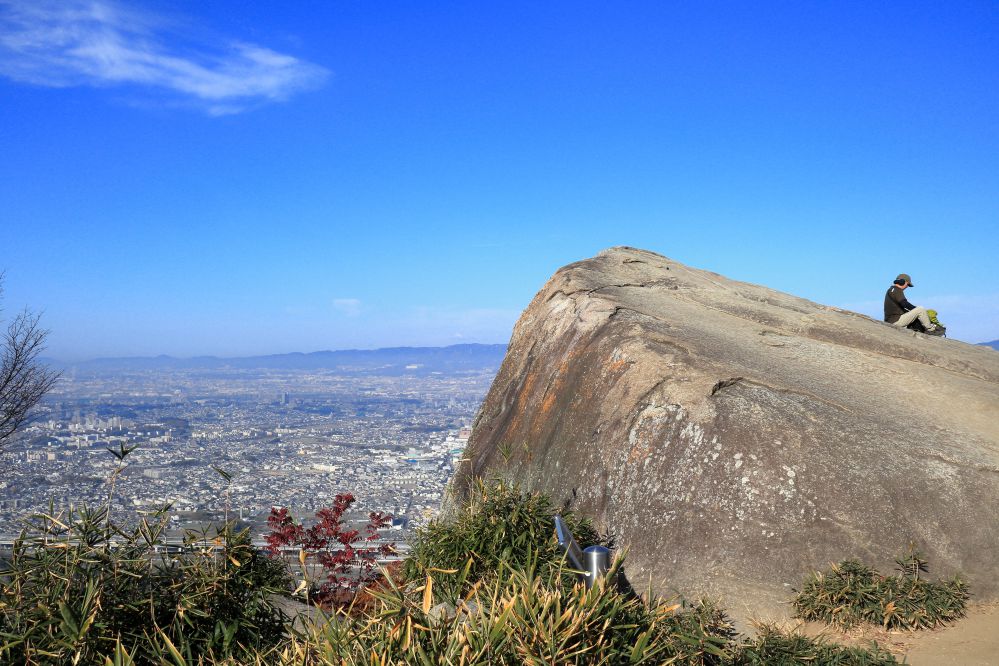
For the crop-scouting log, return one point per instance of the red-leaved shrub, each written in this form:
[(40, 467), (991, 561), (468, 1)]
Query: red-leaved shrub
[(346, 555)]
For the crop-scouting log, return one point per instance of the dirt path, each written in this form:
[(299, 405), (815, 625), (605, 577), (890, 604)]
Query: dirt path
[(973, 641)]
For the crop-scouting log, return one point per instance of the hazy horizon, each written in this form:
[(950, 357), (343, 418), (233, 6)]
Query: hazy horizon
[(224, 355), (50, 357)]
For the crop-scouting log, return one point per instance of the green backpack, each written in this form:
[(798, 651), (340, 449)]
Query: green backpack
[(940, 330)]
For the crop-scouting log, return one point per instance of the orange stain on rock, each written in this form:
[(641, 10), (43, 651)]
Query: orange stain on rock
[(639, 452), (548, 403), (617, 366)]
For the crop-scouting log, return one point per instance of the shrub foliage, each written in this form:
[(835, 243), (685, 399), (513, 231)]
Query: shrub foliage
[(851, 592), (499, 525), (347, 557), (80, 586), (518, 616), (486, 586), (774, 647)]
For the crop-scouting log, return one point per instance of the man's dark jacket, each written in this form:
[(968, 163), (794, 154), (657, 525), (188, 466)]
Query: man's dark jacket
[(896, 305)]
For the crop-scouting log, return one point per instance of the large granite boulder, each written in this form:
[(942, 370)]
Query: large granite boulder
[(734, 437)]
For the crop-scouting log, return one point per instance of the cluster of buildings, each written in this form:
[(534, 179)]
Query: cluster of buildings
[(234, 444)]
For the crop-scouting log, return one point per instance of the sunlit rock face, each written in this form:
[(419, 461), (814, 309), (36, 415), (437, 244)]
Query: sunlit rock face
[(734, 438)]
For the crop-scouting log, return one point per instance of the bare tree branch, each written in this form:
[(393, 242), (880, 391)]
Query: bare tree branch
[(23, 379)]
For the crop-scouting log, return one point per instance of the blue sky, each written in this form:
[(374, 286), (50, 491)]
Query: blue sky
[(239, 178)]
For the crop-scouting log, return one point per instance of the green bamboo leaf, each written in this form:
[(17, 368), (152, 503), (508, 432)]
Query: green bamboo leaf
[(70, 624), (221, 472), (178, 658)]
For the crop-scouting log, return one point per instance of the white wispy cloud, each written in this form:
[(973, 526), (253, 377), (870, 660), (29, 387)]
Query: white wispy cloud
[(350, 307), (62, 43)]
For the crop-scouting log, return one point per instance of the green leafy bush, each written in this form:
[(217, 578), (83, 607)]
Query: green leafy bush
[(773, 647), (487, 586), (851, 593), (80, 586), (499, 525), (518, 616)]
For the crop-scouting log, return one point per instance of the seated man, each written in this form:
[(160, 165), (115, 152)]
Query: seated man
[(900, 312)]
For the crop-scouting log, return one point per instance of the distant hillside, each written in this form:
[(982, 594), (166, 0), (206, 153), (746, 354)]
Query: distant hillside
[(392, 360), (994, 344)]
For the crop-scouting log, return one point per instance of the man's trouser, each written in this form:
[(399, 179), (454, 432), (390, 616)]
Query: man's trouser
[(916, 313)]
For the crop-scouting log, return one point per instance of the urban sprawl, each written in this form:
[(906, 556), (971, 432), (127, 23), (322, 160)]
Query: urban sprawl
[(236, 442)]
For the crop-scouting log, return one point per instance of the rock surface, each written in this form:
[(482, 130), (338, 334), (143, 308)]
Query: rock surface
[(734, 437)]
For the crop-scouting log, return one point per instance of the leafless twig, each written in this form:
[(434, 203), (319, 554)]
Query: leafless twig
[(23, 379)]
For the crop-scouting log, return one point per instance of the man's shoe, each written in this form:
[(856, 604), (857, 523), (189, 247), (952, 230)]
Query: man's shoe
[(938, 331)]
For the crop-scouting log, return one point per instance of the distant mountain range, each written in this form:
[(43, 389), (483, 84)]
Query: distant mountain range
[(994, 344), (391, 360)]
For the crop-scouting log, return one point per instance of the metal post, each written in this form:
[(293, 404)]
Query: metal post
[(592, 563), (596, 563)]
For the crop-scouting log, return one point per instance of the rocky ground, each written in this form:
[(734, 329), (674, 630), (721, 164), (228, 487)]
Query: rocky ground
[(972, 641)]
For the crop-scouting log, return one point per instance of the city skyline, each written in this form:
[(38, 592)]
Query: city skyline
[(236, 180)]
